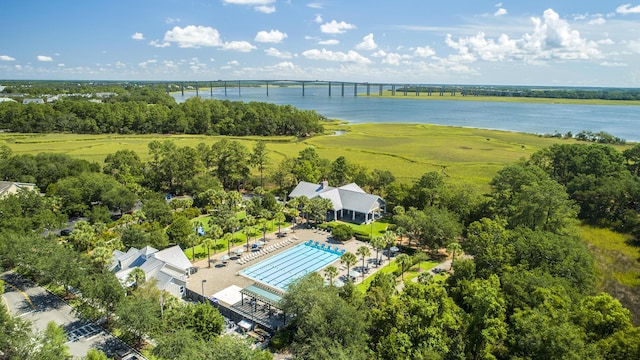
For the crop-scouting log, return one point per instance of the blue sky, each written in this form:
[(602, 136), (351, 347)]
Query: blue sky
[(560, 43)]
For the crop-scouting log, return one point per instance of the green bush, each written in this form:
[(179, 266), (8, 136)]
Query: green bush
[(342, 232)]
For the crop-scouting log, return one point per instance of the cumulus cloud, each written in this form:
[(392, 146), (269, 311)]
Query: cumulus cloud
[(379, 53), (628, 9), (394, 59), (159, 44), (61, 65), (318, 19), (367, 43), (277, 53), (551, 38), (273, 36), (426, 51), (265, 9), (315, 5), (120, 65), (351, 56), (44, 58), (6, 58), (137, 36), (329, 42), (242, 46), (500, 12), (335, 27), (144, 64), (193, 36)]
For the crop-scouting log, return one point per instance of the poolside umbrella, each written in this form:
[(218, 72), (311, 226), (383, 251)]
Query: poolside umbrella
[(354, 273), (238, 251), (394, 249), (338, 283), (259, 243), (225, 258)]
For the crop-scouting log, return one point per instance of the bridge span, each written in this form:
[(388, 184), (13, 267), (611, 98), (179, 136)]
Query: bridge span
[(335, 88)]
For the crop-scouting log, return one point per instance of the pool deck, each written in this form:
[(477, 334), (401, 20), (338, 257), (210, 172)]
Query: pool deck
[(220, 277)]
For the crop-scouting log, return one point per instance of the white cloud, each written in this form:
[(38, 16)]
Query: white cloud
[(120, 65), (628, 9), (613, 64), (552, 38), (329, 42), (351, 56), (273, 36), (18, 67), (6, 58), (265, 9), (426, 51), (318, 19), (193, 36), (137, 36), (606, 42), (367, 43), (170, 21), (392, 59), (500, 12), (242, 46), (597, 21), (233, 62), (379, 53), (634, 46), (61, 65), (277, 53), (145, 63), (335, 27), (159, 44), (44, 58), (170, 64), (315, 5)]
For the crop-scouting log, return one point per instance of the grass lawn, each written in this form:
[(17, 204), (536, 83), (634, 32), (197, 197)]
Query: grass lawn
[(378, 227), (616, 255), (419, 268), (389, 268)]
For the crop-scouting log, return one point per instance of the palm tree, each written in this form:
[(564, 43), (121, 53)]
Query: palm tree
[(348, 259), (228, 237), (215, 232), (389, 238), (403, 259), (136, 277), (454, 248), (378, 243), (249, 221), (279, 218), (425, 277), (304, 203), (264, 219), (194, 240), (363, 251), (206, 243), (293, 210), (102, 255), (331, 273)]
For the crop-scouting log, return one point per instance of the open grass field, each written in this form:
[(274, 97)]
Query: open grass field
[(407, 150), (618, 264)]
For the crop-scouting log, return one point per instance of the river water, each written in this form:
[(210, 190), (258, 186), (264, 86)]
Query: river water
[(620, 121)]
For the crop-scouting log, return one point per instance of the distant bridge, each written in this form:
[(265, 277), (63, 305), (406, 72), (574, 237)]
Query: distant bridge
[(342, 87)]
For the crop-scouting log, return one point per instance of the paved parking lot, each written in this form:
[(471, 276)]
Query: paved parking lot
[(33, 303)]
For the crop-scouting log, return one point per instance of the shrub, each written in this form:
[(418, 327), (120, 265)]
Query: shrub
[(342, 232)]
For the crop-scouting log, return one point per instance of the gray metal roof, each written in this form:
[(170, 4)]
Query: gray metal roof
[(347, 197)]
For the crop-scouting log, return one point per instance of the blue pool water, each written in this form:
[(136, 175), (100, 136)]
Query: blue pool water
[(282, 269)]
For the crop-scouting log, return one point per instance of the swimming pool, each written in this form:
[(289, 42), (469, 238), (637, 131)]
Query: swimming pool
[(282, 269)]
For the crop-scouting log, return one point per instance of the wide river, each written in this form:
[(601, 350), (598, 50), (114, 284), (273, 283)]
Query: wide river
[(618, 120)]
